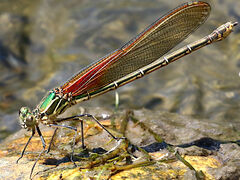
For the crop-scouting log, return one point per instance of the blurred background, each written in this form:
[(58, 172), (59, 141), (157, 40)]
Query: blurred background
[(44, 42)]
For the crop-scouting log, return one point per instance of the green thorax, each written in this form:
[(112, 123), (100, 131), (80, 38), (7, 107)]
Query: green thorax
[(53, 105)]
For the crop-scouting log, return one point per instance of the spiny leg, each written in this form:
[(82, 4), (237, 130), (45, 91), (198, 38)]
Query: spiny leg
[(49, 147), (23, 151), (44, 145), (74, 138), (82, 134), (95, 119), (76, 117)]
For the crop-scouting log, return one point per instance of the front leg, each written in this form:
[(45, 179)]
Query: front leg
[(23, 151), (43, 149)]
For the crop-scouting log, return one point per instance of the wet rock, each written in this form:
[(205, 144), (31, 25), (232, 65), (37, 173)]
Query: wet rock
[(105, 158)]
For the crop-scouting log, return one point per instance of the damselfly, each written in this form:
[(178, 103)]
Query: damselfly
[(135, 59)]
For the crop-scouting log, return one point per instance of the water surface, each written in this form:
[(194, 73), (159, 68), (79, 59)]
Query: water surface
[(43, 43)]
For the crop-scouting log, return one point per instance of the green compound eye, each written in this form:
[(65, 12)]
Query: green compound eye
[(25, 116), (23, 112)]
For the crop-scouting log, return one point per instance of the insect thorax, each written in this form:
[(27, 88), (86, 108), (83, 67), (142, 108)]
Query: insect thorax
[(52, 105)]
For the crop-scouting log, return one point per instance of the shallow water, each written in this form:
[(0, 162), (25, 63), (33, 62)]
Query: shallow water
[(43, 43)]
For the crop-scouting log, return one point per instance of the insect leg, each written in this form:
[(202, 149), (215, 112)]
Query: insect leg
[(54, 133), (76, 117), (74, 138), (23, 151), (44, 146)]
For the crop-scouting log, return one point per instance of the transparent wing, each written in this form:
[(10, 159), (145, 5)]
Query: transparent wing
[(156, 40)]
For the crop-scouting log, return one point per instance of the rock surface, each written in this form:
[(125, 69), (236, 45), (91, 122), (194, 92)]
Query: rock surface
[(203, 144)]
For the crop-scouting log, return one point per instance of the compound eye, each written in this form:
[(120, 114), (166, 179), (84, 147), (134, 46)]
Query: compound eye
[(24, 111), (30, 118)]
